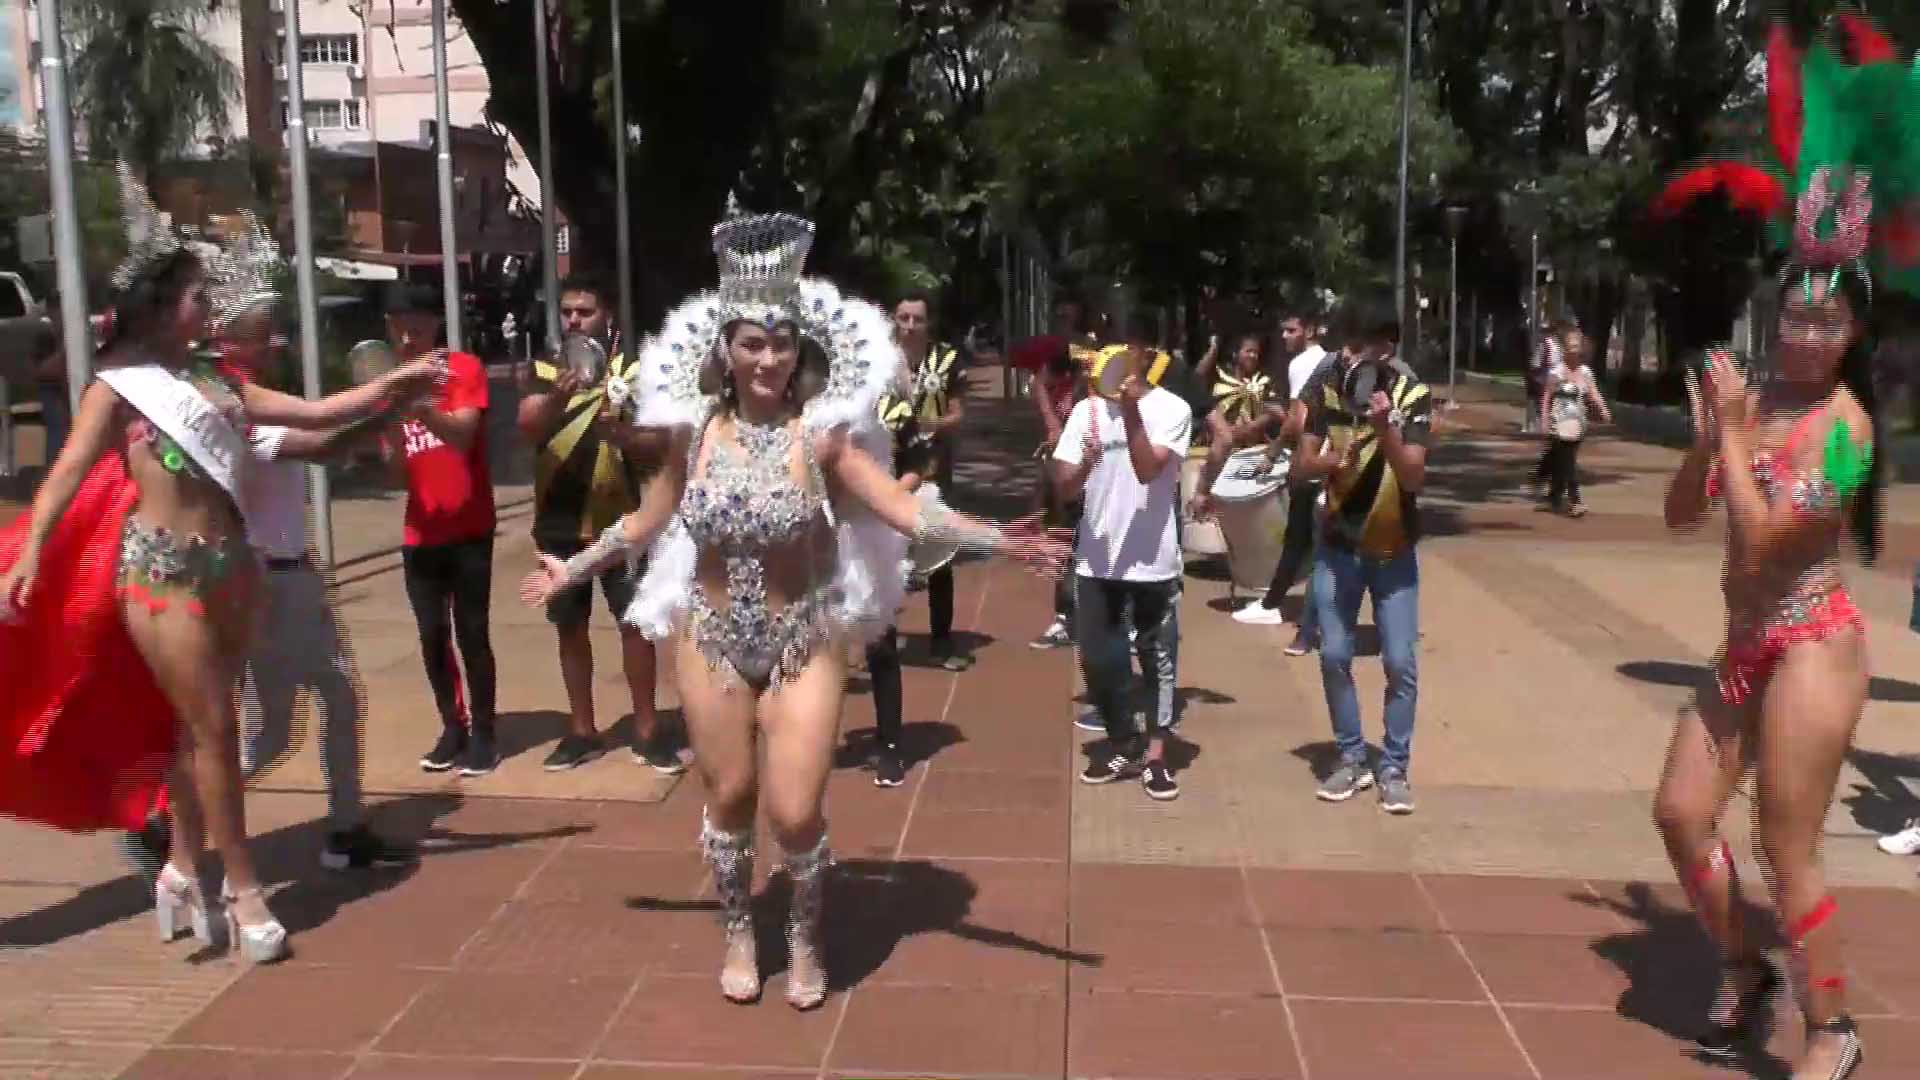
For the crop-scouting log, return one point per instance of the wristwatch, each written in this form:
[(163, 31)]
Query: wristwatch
[(1396, 418)]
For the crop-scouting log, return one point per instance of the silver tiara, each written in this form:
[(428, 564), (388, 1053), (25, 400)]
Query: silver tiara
[(150, 235), (242, 275), (760, 262)]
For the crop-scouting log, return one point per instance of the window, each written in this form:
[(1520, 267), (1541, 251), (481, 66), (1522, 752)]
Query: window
[(329, 49), (323, 115)]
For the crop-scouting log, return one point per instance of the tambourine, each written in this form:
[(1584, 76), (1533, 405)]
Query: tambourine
[(927, 556), (585, 357), (371, 359), (1358, 387), (1109, 370)]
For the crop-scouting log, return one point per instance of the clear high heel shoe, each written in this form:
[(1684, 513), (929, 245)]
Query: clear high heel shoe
[(260, 943), (178, 906)]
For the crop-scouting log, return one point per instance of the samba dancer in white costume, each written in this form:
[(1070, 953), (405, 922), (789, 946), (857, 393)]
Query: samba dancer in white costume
[(778, 534)]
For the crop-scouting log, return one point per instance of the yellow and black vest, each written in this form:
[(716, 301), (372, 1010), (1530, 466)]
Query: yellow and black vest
[(581, 485), (1367, 510)]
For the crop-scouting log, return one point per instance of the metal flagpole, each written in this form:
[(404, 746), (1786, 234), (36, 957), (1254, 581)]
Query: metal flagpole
[(549, 246), (1006, 317), (76, 334), (443, 164), (304, 286), (624, 246), (1406, 136)]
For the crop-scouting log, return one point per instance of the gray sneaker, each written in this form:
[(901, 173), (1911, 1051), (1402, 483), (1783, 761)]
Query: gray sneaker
[(1396, 795), (1347, 780)]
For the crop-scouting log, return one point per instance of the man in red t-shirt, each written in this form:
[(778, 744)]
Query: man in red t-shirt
[(447, 552)]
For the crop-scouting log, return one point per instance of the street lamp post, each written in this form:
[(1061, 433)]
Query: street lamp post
[(549, 244), (1406, 135), (76, 334), (443, 166), (1456, 222), (305, 289), (623, 242)]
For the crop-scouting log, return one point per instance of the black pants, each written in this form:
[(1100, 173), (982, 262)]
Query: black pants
[(1107, 609), (1060, 513), (1562, 466), (1297, 548), (450, 587), (883, 670)]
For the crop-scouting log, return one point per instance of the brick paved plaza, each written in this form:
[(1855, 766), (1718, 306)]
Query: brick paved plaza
[(996, 918)]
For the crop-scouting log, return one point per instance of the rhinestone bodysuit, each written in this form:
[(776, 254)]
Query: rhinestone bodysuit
[(1765, 617), (745, 506)]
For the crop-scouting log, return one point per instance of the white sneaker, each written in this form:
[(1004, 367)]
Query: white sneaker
[(1259, 614), (1904, 842)]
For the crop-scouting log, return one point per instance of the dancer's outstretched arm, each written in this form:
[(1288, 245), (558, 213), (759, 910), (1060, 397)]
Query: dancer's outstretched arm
[(266, 406), (92, 436), (631, 533)]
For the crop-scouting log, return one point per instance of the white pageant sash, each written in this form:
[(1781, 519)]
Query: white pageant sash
[(183, 414)]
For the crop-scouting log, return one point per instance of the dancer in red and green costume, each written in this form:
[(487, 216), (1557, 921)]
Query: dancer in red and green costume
[(1792, 457)]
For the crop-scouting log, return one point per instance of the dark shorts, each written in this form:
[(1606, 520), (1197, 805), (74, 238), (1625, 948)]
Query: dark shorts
[(573, 606)]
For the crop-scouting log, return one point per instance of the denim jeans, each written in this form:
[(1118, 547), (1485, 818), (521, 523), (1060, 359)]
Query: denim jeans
[(55, 413), (1340, 576), (1100, 629)]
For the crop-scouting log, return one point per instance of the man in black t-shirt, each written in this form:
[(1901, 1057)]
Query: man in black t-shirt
[(1368, 428), (588, 472)]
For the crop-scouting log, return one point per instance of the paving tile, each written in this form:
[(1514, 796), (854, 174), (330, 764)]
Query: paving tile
[(340, 1009), (609, 877), (501, 1014), (1015, 953), (950, 789), (1572, 1044), (1519, 905), (981, 889), (1123, 892), (685, 1021), (184, 1063), (1348, 963), (1362, 1040), (1007, 834), (1342, 900), (1544, 969), (591, 939), (1886, 975), (398, 1067), (1877, 915), (656, 1072), (934, 1031), (410, 925), (1164, 1035), (673, 825), (1211, 958)]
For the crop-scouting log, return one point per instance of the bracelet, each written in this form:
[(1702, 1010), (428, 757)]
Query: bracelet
[(583, 567)]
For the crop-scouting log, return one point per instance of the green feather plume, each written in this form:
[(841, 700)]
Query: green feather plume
[(1847, 462)]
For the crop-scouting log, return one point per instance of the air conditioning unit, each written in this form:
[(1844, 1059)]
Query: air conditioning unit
[(356, 72)]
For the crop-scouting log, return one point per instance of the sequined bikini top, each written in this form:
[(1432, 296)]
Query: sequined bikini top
[(747, 500)]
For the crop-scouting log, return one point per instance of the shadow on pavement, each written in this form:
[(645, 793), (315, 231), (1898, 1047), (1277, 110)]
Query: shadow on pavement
[(1672, 968), (1675, 673), (1886, 802), (287, 855), (918, 742), (871, 907)]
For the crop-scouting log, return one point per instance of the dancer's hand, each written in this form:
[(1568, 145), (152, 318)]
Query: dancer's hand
[(539, 586), (16, 587), (1706, 428), (1045, 551), (1733, 396), (1200, 507)]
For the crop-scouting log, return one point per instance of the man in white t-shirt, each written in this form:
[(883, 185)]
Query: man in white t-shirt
[(1302, 340), (1124, 456)]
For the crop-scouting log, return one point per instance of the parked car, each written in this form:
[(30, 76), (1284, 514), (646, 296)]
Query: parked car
[(23, 329)]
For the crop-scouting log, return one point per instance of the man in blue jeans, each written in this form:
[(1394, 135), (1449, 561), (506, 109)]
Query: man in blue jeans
[(1369, 423)]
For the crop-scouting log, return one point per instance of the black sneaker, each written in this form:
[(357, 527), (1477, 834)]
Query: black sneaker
[(360, 848), (573, 751), (145, 851), (1114, 766), (481, 758), (1159, 782), (658, 756), (887, 768), (447, 752), (945, 655)]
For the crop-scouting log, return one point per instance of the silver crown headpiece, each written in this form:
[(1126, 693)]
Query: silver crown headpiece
[(150, 235), (242, 275), (760, 262)]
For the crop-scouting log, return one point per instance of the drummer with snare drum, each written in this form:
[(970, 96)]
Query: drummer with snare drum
[(1247, 400)]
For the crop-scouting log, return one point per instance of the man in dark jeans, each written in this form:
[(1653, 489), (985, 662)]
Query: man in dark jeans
[(447, 552), (1367, 436), (1124, 457), (588, 473)]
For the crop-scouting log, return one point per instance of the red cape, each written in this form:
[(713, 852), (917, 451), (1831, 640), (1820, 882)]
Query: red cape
[(86, 736)]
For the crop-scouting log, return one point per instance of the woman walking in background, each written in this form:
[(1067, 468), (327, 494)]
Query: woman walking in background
[(1570, 391)]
